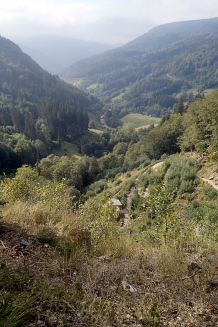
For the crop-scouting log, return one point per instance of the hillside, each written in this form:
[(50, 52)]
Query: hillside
[(86, 265), (149, 74), (109, 229), (37, 109)]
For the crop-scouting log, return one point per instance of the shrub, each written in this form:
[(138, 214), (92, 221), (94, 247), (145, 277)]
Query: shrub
[(96, 187), (210, 192), (102, 223), (28, 186), (182, 174)]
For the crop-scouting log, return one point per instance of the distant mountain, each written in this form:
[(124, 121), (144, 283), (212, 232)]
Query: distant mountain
[(150, 73), (36, 108), (55, 53), (42, 59)]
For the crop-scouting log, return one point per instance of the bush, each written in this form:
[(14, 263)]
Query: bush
[(96, 187), (28, 186), (210, 192), (182, 174)]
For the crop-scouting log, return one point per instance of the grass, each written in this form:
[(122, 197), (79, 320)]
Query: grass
[(67, 149), (82, 269), (140, 120), (97, 131), (119, 97), (95, 119), (93, 86), (79, 289)]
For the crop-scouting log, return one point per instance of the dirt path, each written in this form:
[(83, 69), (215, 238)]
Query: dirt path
[(104, 124), (126, 209), (209, 181), (157, 165), (146, 126), (129, 195)]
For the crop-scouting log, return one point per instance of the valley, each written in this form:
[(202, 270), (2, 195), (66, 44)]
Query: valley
[(109, 187)]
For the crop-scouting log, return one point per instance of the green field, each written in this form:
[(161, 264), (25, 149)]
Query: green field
[(140, 120), (96, 131), (67, 149), (119, 97)]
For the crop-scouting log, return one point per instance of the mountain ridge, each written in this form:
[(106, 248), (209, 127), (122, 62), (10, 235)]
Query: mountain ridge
[(136, 75)]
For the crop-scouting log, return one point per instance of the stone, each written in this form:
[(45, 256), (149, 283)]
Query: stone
[(127, 287), (24, 243)]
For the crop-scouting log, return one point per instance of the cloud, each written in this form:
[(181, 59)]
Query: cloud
[(102, 20)]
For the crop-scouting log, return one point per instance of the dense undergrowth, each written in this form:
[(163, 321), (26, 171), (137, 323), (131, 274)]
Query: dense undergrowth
[(68, 262)]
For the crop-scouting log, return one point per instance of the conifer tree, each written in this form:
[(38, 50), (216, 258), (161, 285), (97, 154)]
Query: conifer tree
[(180, 108)]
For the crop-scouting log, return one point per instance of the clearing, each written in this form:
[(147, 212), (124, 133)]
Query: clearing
[(140, 120)]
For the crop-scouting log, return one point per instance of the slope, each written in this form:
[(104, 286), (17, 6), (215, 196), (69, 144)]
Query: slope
[(148, 74), (36, 108)]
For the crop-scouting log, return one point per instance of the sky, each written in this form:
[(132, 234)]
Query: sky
[(108, 21)]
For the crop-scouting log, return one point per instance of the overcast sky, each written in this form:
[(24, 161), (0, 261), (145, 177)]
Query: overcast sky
[(109, 21)]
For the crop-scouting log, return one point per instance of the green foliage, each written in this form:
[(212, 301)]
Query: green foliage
[(14, 278), (179, 108), (159, 207), (196, 128), (152, 178), (46, 235), (15, 313), (76, 173), (96, 187), (92, 124), (200, 124), (124, 189), (21, 186), (38, 105), (182, 174), (204, 211), (102, 223), (155, 317), (135, 202), (158, 203), (28, 186), (146, 75), (210, 192)]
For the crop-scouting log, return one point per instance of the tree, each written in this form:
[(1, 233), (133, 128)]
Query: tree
[(179, 108), (159, 205), (92, 124)]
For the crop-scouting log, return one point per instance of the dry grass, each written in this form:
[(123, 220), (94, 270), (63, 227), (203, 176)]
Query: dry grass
[(132, 283), (32, 216)]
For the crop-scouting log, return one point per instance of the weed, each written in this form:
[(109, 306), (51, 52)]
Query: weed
[(15, 313)]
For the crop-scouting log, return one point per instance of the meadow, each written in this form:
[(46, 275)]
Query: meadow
[(140, 120)]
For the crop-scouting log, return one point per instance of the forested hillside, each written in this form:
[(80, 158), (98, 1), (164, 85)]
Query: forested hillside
[(70, 257), (124, 149), (37, 110), (149, 74)]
